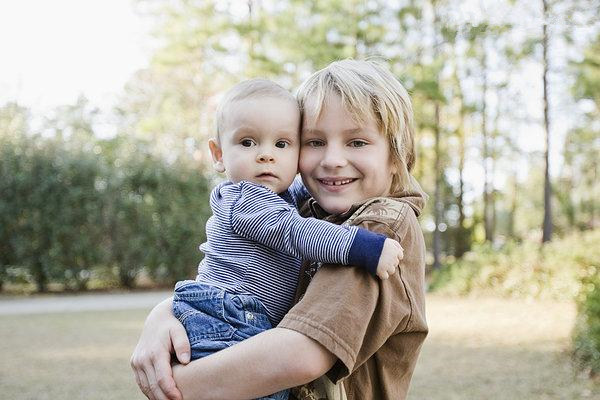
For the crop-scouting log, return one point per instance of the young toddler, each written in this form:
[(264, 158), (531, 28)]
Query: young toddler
[(255, 237)]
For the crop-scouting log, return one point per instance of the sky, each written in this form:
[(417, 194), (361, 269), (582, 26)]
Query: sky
[(53, 51)]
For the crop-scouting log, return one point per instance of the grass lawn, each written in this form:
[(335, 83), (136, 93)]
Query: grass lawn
[(498, 349), (80, 355), (477, 349)]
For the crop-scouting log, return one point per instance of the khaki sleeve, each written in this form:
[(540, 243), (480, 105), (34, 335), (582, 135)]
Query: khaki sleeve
[(353, 314)]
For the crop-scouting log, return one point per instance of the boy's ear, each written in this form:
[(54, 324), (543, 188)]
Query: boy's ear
[(217, 155)]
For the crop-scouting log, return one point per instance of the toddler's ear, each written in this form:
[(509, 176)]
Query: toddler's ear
[(217, 155)]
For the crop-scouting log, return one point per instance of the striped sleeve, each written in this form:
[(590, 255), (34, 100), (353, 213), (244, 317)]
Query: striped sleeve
[(298, 191), (261, 215)]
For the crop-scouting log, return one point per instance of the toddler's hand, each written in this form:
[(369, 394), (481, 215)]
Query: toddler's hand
[(390, 257)]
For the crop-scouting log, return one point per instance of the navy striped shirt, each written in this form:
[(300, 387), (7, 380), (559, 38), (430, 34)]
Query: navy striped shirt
[(256, 240)]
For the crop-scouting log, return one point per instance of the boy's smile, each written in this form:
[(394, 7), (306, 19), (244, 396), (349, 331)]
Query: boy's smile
[(336, 182), (259, 142)]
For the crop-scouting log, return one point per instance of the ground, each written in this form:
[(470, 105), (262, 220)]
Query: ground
[(477, 349), (498, 349)]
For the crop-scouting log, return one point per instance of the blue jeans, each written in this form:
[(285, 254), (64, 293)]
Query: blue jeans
[(215, 319)]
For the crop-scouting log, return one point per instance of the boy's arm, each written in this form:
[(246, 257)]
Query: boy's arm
[(263, 364), (260, 215)]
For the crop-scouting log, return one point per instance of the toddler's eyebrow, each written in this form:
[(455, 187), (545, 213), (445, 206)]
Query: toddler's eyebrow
[(244, 127), (289, 131), (243, 130)]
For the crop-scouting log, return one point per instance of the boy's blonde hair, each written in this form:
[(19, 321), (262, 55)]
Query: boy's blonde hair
[(368, 90), (252, 88)]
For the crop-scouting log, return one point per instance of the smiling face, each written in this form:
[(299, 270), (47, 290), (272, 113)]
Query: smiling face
[(259, 142), (342, 162)]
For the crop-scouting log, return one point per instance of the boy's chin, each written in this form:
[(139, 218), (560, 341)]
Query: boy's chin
[(334, 207)]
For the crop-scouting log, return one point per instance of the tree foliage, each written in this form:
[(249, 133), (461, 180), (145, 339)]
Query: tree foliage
[(67, 213)]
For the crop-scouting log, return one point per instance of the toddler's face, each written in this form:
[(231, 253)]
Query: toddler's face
[(259, 142)]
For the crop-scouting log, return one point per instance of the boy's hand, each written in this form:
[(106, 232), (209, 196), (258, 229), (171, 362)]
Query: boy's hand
[(391, 255), (162, 335)]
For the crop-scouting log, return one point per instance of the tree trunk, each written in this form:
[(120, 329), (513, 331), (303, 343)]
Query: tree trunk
[(494, 157), (547, 225), (513, 207), (437, 201), (593, 200), (486, 189), (437, 192), (461, 242), (40, 277)]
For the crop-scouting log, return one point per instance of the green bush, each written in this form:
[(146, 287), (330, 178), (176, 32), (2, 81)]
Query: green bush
[(586, 335), (524, 270), (69, 215)]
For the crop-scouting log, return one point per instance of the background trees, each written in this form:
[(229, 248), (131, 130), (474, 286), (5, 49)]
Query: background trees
[(74, 199)]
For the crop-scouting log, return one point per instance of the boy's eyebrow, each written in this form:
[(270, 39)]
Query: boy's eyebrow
[(352, 131), (312, 131)]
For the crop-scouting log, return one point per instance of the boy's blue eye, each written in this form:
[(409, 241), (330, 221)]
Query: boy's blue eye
[(358, 143), (315, 143), (282, 144), (247, 143)]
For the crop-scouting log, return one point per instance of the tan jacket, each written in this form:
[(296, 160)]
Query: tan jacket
[(375, 328)]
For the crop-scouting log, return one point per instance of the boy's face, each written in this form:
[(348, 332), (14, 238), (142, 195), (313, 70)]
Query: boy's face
[(341, 162), (259, 142)]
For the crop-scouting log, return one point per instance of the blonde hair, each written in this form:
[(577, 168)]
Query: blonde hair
[(252, 88), (368, 90)]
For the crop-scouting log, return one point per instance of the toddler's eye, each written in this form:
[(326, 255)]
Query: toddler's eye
[(282, 144), (247, 143), (358, 143)]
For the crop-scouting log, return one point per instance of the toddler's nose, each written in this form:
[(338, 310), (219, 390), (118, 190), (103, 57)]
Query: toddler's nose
[(265, 158)]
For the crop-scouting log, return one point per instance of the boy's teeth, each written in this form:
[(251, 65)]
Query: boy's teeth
[(338, 183)]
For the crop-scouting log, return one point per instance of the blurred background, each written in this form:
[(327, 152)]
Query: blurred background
[(106, 108)]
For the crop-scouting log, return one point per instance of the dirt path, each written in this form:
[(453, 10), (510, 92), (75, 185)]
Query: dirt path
[(498, 349), (43, 304)]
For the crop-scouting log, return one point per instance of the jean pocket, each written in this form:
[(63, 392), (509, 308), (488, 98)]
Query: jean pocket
[(181, 285), (246, 314), (201, 311)]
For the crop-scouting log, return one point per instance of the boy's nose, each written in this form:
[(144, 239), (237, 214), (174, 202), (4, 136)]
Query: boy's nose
[(265, 158), (333, 158)]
